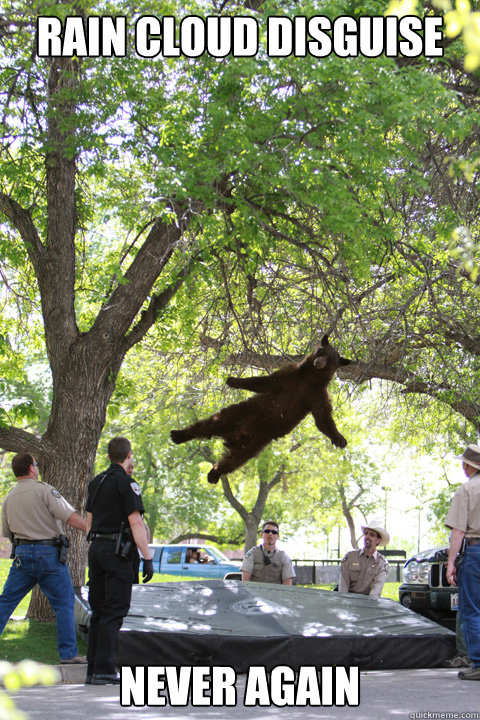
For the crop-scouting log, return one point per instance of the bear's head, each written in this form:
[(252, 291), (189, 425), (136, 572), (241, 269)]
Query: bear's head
[(326, 358)]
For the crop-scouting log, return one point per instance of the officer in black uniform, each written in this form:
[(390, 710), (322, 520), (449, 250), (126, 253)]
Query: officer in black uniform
[(116, 529)]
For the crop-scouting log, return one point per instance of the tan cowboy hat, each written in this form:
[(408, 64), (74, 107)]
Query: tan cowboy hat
[(374, 525), (471, 456)]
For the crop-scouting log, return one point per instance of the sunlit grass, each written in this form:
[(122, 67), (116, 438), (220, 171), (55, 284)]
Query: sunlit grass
[(38, 641)]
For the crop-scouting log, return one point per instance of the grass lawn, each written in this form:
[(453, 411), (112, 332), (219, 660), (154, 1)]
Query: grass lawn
[(38, 641), (390, 589), (30, 639)]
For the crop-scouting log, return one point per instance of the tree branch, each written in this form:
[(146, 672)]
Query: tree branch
[(230, 497), (115, 317), (22, 221), (220, 539), (156, 305), (16, 440)]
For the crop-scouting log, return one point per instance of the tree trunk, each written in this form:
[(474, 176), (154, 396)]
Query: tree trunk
[(351, 526), (39, 608), (69, 447), (251, 528), (84, 365)]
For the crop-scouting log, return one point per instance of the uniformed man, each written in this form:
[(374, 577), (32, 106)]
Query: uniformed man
[(464, 520), (265, 563), (32, 518), (116, 529), (365, 571)]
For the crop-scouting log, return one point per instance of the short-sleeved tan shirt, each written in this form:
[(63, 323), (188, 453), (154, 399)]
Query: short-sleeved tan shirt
[(34, 510), (363, 574), (464, 513)]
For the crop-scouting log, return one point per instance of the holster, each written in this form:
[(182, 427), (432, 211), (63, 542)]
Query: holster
[(124, 543), (14, 547), (442, 555), (63, 543)]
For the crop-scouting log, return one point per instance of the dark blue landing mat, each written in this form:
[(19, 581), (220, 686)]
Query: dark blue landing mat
[(239, 624)]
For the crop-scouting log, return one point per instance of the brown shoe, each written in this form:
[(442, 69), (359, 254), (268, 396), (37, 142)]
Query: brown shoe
[(77, 660), (472, 673)]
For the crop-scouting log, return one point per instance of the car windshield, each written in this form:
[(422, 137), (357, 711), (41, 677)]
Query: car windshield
[(217, 554)]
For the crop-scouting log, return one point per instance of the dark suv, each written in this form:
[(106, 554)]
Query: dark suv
[(425, 588)]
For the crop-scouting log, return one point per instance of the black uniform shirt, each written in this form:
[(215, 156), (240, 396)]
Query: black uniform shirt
[(118, 497)]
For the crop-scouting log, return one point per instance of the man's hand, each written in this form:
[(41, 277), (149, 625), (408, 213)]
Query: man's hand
[(147, 570), (456, 539), (451, 572)]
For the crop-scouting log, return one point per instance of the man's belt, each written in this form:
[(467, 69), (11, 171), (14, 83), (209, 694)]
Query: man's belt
[(104, 536), (473, 541), (21, 541)]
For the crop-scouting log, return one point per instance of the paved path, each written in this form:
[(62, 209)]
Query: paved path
[(384, 695)]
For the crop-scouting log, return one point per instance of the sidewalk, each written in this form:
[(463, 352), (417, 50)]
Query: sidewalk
[(384, 695)]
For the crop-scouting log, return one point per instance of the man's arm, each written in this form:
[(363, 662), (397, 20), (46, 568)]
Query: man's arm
[(378, 583), (344, 580), (288, 573), (456, 539), (77, 522), (248, 565), (6, 532), (89, 521), (137, 526)]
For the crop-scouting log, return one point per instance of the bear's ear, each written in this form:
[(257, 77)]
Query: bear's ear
[(324, 341), (345, 361)]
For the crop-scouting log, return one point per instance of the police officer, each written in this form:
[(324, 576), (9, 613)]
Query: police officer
[(364, 571), (464, 520), (265, 563), (32, 518), (116, 529)]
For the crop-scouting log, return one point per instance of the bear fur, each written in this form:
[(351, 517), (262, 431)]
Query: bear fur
[(282, 400)]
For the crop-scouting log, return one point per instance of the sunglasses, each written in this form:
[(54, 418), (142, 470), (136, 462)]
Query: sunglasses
[(267, 532)]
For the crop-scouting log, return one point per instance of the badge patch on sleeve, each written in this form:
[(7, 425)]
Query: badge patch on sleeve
[(136, 488), (55, 493)]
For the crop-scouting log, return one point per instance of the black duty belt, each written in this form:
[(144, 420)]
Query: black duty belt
[(104, 536), (473, 541), (53, 541)]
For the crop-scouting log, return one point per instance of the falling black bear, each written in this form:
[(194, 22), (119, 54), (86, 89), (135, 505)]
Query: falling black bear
[(283, 399)]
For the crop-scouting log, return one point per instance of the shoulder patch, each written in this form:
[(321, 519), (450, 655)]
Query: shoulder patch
[(136, 488), (250, 552), (55, 493)]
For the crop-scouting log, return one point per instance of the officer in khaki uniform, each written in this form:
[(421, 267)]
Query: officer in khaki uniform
[(364, 571), (265, 563), (32, 518), (464, 520)]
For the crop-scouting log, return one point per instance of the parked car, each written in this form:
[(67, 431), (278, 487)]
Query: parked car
[(425, 588), (193, 560)]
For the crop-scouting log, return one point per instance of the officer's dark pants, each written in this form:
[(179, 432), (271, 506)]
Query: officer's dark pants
[(110, 581)]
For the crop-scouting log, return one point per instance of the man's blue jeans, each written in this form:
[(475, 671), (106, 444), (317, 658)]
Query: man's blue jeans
[(469, 600), (39, 564)]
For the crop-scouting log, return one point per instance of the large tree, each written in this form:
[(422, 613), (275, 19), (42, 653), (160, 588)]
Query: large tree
[(279, 186)]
